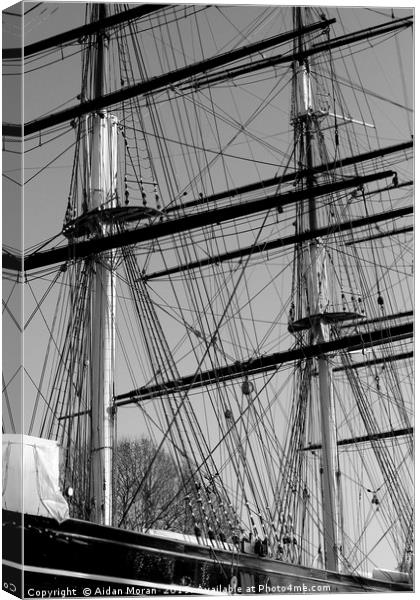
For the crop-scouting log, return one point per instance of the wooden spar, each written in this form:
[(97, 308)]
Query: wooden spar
[(163, 81), (378, 236), (273, 61), (363, 322), (381, 360), (292, 176), (267, 363), (285, 241), (79, 32), (147, 394), (157, 230), (156, 83), (365, 438)]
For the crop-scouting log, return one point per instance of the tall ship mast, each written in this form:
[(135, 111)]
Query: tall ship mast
[(313, 268), (223, 400), (102, 129)]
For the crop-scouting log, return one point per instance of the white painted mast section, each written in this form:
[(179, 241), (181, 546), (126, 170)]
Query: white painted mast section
[(102, 195), (318, 301), (305, 88)]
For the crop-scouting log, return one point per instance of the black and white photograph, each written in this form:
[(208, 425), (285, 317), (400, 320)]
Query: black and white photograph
[(208, 294)]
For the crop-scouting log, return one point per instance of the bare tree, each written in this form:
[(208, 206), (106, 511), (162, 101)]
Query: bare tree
[(157, 504)]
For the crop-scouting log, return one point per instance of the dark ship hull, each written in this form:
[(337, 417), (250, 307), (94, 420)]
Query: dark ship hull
[(78, 558)]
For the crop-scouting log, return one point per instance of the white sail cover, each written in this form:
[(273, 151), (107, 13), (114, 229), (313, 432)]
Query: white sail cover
[(31, 476)]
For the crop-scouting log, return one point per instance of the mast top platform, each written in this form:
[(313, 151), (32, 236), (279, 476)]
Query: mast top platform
[(328, 318), (91, 221)]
